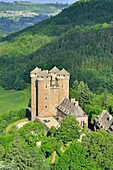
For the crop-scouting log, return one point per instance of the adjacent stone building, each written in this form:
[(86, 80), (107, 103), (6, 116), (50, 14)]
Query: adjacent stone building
[(104, 121), (72, 107)]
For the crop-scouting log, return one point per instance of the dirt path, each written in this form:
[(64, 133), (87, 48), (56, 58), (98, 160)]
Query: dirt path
[(21, 124), (80, 140), (53, 158)]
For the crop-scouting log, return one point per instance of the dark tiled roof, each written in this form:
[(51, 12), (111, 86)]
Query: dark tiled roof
[(67, 107), (104, 120)]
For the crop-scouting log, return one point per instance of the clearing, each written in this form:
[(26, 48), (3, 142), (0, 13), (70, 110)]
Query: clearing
[(13, 100)]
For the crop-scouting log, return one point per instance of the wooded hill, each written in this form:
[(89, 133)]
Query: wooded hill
[(79, 39)]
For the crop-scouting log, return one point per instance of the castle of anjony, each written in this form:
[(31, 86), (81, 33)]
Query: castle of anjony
[(50, 95)]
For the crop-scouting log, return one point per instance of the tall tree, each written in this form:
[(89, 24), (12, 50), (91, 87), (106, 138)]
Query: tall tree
[(69, 129)]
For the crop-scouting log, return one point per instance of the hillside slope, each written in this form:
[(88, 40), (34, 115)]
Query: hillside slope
[(86, 52), (83, 12), (74, 39)]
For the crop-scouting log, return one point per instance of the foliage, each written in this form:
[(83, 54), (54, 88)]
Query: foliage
[(19, 151), (74, 158), (49, 145), (32, 133), (94, 152), (99, 149), (19, 84), (6, 141), (91, 103), (23, 158), (87, 59), (69, 129), (11, 117), (52, 132), (2, 151)]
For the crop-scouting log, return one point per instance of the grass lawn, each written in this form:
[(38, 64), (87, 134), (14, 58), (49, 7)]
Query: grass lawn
[(11, 100)]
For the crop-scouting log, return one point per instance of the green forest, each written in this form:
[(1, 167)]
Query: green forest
[(80, 39), (31, 148), (84, 48)]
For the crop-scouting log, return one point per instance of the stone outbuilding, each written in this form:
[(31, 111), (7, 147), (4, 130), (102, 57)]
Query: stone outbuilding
[(71, 106), (104, 121)]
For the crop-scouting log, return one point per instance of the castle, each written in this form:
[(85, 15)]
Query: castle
[(50, 95), (48, 89)]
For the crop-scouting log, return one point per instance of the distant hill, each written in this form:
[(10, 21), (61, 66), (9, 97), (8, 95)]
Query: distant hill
[(16, 16), (80, 39), (46, 1)]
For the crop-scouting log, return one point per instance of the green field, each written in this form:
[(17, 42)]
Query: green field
[(13, 100)]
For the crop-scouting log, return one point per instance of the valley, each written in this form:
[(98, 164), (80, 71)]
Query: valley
[(16, 16)]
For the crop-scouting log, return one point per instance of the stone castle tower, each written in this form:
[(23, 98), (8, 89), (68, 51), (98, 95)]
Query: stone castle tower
[(48, 90)]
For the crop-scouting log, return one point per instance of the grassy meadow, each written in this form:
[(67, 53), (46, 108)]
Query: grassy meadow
[(13, 100)]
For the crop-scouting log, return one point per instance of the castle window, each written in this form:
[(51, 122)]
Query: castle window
[(45, 106), (46, 85), (45, 98), (62, 85)]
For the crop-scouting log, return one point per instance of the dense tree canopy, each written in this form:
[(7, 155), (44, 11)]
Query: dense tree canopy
[(99, 147), (69, 129), (74, 158), (94, 152), (80, 41)]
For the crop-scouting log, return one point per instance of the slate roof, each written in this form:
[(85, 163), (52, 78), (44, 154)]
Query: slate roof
[(68, 107), (54, 70), (104, 121)]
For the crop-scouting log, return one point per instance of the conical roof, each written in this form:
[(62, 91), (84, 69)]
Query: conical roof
[(36, 70), (54, 70), (43, 73), (63, 72)]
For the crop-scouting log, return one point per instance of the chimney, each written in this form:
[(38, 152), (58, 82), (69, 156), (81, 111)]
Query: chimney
[(74, 102), (110, 117)]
